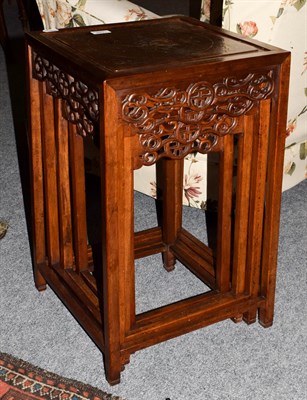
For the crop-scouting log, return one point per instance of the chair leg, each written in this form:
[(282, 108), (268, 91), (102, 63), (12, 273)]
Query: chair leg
[(23, 16), (3, 29)]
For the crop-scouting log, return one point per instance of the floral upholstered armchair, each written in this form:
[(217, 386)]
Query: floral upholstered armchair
[(278, 22), (281, 23)]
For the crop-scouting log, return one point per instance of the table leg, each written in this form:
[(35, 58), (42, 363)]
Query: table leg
[(36, 167), (242, 208), (260, 127), (170, 178), (223, 251), (50, 167), (117, 236), (273, 195)]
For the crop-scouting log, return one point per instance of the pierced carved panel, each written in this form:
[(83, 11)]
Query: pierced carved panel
[(80, 105), (175, 122)]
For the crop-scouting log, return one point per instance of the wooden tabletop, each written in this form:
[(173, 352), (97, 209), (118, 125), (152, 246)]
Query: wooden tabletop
[(151, 45)]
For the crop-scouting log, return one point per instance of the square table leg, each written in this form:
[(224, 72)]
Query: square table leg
[(117, 235), (170, 184), (273, 195)]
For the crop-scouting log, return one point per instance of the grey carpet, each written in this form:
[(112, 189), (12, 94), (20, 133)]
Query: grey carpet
[(224, 361)]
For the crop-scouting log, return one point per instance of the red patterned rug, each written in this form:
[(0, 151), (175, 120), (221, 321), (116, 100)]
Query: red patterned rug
[(20, 380)]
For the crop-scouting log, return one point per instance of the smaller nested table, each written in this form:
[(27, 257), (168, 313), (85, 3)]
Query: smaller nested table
[(145, 93)]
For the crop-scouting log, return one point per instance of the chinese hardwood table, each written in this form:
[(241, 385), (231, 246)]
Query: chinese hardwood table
[(154, 92)]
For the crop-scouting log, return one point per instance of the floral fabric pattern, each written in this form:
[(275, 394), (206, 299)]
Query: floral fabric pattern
[(57, 14), (247, 29), (194, 182), (280, 23), (205, 10)]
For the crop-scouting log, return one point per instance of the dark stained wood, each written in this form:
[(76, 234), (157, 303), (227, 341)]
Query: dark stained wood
[(170, 184), (273, 194), (185, 316), (216, 12), (23, 16), (36, 172), (3, 28), (223, 251), (64, 197), (148, 242), (261, 127), (78, 198), (243, 181), (77, 308), (118, 217), (196, 256), (137, 47), (194, 8), (152, 98), (50, 176)]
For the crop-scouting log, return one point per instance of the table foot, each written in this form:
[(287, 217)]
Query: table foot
[(250, 317), (265, 317), (266, 324), (41, 288), (237, 319), (112, 372), (169, 260), (40, 281), (114, 381)]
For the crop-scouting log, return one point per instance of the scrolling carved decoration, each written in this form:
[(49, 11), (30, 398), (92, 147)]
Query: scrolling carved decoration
[(80, 105), (174, 122), (171, 122)]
